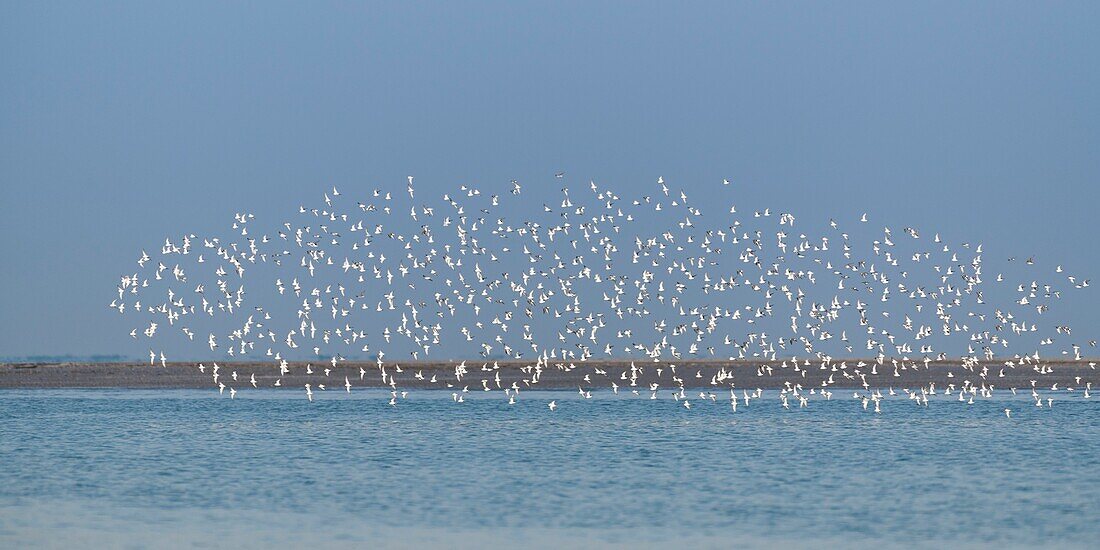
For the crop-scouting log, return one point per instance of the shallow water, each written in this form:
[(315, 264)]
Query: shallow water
[(192, 468)]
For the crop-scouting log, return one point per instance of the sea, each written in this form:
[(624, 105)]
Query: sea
[(196, 469)]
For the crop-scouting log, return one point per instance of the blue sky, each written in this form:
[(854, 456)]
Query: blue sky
[(121, 123)]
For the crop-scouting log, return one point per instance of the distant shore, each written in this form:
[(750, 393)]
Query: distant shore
[(556, 375)]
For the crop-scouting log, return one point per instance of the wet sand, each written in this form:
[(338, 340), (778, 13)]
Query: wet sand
[(555, 376)]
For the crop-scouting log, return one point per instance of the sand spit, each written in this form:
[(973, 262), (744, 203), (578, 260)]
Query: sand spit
[(695, 374)]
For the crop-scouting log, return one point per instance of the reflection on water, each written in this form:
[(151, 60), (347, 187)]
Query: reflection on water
[(114, 467)]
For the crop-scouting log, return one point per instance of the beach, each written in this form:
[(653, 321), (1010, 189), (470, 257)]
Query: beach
[(554, 376)]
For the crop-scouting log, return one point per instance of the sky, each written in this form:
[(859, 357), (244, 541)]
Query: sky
[(122, 123)]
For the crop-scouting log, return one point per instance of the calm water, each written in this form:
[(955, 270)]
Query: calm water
[(139, 468)]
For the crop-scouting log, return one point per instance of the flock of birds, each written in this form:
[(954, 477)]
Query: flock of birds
[(591, 276)]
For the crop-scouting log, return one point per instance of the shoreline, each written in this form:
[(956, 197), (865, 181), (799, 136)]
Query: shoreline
[(554, 376)]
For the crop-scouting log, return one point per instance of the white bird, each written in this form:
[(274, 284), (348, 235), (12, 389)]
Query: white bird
[(591, 274)]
